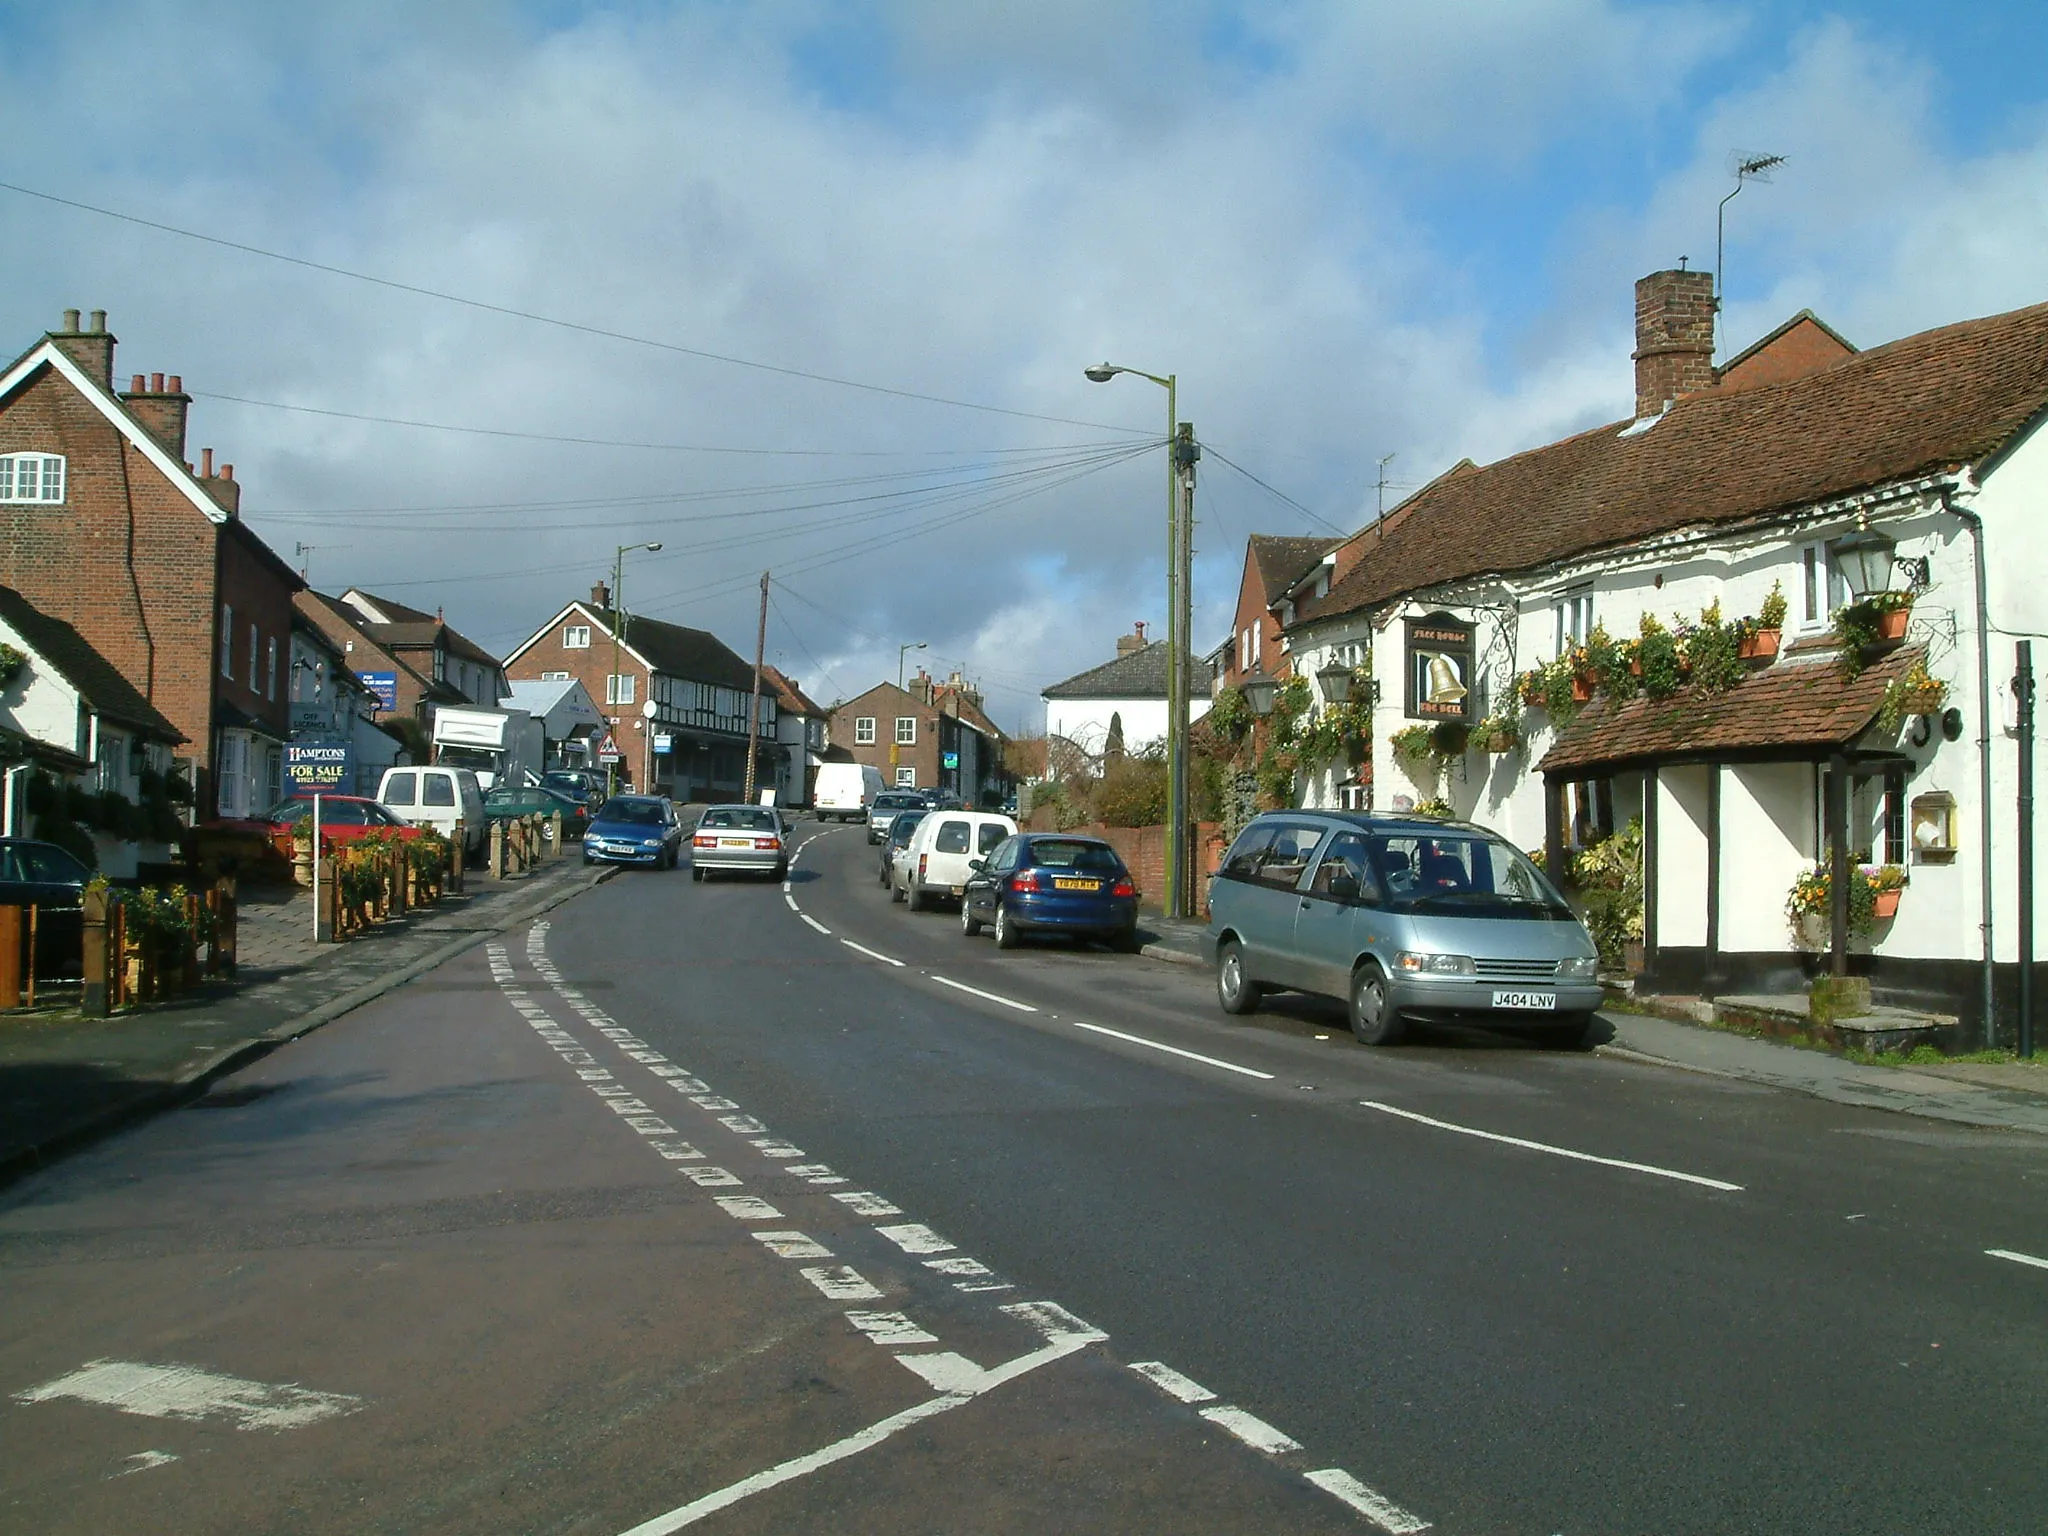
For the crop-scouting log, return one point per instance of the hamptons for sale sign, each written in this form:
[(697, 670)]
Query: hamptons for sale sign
[(318, 767)]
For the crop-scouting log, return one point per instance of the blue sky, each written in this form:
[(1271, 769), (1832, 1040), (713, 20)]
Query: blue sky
[(1351, 229)]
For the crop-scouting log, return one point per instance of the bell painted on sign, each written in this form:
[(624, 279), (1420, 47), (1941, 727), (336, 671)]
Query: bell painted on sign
[(1444, 684)]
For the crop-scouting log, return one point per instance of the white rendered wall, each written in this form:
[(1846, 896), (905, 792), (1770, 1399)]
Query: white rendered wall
[(1767, 837), (39, 703), (1681, 866)]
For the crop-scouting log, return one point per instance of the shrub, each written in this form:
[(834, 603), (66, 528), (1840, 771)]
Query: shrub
[(1132, 793)]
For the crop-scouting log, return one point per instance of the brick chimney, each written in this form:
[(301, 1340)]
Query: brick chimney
[(92, 348), (225, 490), (1674, 338), (601, 597), (160, 405), (1134, 641)]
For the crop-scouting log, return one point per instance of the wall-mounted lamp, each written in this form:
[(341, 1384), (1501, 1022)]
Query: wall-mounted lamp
[(1867, 559), (1335, 681), (1258, 692)]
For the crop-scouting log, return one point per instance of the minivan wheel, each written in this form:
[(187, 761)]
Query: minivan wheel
[(1373, 1019), (1236, 991)]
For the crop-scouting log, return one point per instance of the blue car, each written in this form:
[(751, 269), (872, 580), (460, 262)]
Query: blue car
[(634, 829), (1052, 882)]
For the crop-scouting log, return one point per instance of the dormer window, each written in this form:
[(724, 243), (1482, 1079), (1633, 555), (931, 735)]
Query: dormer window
[(37, 477)]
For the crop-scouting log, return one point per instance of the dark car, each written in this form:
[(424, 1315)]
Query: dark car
[(1052, 882), (504, 803), (898, 838), (577, 784), (888, 805), (44, 876), (634, 829)]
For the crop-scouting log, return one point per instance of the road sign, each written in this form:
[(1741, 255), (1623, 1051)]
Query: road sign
[(608, 749)]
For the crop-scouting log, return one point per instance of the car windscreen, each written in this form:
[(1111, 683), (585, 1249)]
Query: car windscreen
[(895, 801), (1459, 874), (742, 819), (905, 824), (639, 813), (1073, 853)]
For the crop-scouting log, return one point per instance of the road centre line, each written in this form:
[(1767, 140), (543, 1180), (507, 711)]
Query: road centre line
[(961, 986), (1251, 1429), (1375, 1506), (1173, 1050), (2017, 1258), (815, 924), (1539, 1146), (1172, 1383), (871, 954)]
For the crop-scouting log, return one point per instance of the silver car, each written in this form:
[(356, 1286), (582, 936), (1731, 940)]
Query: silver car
[(745, 839), (1402, 919)]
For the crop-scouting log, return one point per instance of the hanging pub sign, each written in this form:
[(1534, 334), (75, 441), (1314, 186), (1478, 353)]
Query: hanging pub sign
[(1439, 655)]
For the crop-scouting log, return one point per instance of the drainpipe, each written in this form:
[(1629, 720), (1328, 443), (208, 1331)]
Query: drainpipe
[(1976, 526)]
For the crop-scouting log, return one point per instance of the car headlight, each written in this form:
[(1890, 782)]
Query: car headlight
[(1579, 968), (1411, 962)]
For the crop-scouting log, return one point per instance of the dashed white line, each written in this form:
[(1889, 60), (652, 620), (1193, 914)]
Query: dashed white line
[(1173, 1050), (871, 954), (747, 1208), (792, 902), (842, 1283), (1252, 1430), (792, 1245), (2017, 1258), (865, 1202), (815, 924), (1172, 1383), (993, 997), (1545, 1147), (914, 1238), (890, 1328), (709, 1177), (1375, 1506)]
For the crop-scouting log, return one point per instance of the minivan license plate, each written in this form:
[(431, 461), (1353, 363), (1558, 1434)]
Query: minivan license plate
[(1525, 1000)]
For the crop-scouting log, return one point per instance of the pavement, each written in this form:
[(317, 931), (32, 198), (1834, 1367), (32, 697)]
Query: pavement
[(2012, 1095), (66, 1080)]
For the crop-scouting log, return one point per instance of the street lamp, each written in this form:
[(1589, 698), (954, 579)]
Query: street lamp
[(618, 624), (901, 650), (1178, 543)]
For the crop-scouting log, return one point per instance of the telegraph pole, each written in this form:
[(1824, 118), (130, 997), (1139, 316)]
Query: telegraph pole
[(754, 708), (1183, 451)]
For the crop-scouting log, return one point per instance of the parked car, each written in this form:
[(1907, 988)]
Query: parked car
[(898, 838), (44, 876), (942, 800), (506, 804), (1402, 919), (935, 863), (844, 791), (1052, 882), (885, 808), (746, 839), (635, 829), (577, 783), (261, 846), (437, 797)]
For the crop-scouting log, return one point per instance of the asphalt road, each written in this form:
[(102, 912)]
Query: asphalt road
[(683, 1209)]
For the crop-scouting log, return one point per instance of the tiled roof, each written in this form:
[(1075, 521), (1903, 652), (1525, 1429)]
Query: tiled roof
[(1802, 703), (1928, 403), (1139, 674), (396, 613), (97, 680), (792, 699), (957, 704), (414, 633), (682, 652), (1282, 562)]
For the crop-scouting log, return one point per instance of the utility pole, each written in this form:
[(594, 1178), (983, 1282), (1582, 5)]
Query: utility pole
[(754, 708), (2023, 690), (1184, 452)]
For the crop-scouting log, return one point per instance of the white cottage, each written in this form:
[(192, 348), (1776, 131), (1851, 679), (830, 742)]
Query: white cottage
[(1122, 702), (1803, 469)]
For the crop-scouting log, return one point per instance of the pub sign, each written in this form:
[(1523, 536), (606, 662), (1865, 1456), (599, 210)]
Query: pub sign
[(1439, 669)]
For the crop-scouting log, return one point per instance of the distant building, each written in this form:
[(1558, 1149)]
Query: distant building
[(1120, 704)]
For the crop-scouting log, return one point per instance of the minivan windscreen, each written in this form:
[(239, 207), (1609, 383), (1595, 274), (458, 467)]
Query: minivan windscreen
[(1462, 875)]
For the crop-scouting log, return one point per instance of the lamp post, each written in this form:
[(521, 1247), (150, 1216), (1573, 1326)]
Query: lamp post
[(618, 624), (1179, 456), (901, 651)]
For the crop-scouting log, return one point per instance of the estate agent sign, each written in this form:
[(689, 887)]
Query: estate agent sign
[(1439, 670), (318, 767)]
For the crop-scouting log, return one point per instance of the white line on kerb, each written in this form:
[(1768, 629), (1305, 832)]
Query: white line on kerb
[(2017, 1258), (1172, 1050), (961, 986), (1538, 1146), (815, 924), (862, 949)]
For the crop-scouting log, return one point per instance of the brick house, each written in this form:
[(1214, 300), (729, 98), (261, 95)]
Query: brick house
[(105, 525), (676, 688), (412, 693), (928, 736), (426, 646)]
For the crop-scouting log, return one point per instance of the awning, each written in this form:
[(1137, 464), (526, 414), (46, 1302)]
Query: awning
[(1800, 709), (229, 718)]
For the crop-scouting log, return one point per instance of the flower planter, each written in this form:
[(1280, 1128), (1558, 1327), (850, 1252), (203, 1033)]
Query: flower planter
[(1532, 694), (1927, 701), (302, 869), (1886, 905), (1582, 689), (1758, 646), (1891, 624)]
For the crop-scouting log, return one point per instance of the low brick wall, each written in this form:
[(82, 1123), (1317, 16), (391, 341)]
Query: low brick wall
[(1143, 850)]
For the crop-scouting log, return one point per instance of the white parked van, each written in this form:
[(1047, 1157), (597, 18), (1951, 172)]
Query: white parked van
[(437, 797), (844, 791), (936, 863)]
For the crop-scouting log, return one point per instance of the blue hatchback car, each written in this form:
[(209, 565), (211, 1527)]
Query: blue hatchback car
[(1052, 882), (634, 829)]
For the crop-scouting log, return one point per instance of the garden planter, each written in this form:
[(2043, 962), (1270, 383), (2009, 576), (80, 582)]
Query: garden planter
[(1891, 624), (1582, 689), (1759, 646), (1927, 701), (1886, 905), (1532, 694)]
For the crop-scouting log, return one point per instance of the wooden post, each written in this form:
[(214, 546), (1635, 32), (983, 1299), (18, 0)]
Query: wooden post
[(555, 834), (495, 861), (117, 952), (32, 911), (93, 1001), (10, 957), (224, 923), (456, 855)]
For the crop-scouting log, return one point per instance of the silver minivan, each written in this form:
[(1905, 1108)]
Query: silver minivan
[(1402, 918)]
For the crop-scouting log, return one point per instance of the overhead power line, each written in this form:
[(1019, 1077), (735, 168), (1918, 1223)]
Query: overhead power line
[(1315, 517), (549, 320)]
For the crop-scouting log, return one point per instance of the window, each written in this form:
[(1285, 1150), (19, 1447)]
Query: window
[(31, 477), (227, 640), (401, 789), (1822, 588), (953, 837), (907, 777), (906, 730), (576, 637), (1248, 648), (1345, 859), (1283, 863), (270, 670), (437, 789), (1574, 617), (864, 731), (618, 688), (990, 835), (554, 677)]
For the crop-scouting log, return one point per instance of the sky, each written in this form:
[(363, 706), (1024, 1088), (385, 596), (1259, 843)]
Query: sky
[(486, 291)]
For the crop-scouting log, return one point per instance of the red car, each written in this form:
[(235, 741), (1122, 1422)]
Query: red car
[(262, 845)]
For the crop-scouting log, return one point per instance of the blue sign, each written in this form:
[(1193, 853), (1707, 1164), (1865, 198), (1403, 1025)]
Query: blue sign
[(952, 759), (384, 685), (319, 767)]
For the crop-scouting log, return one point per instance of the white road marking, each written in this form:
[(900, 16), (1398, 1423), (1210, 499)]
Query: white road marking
[(747, 1208), (1375, 1506), (785, 884), (890, 1328), (1538, 1146), (676, 1151), (864, 1202), (1172, 1050), (792, 901), (649, 1057), (871, 954), (913, 1238), (778, 1149), (792, 1245), (2017, 1258), (650, 1125), (669, 1071), (1172, 1383), (961, 986), (958, 1266), (1253, 1431), (144, 1460), (742, 1125), (814, 1173), (187, 1392), (709, 1177), (1064, 1334), (713, 1101), (815, 924), (842, 1284), (1054, 1322)]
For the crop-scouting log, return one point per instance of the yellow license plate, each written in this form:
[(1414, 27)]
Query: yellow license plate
[(1077, 885), (735, 842)]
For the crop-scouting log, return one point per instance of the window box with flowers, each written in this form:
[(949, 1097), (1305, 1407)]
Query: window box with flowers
[(1872, 625), (1874, 891), (1761, 635)]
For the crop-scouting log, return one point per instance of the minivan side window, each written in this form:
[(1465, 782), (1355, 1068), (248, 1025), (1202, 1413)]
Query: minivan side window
[(1346, 855), (438, 789), (952, 837), (398, 789), (1284, 861), (1243, 857)]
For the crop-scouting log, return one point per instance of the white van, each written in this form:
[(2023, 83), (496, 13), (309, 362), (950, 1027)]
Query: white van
[(844, 791), (935, 864), (437, 798)]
